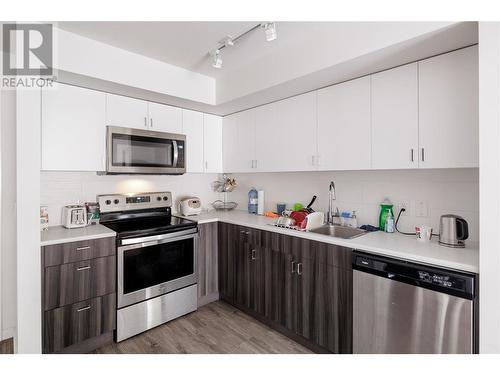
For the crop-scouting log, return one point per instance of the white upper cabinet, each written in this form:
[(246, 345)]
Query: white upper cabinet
[(394, 101), (140, 114), (164, 118), (192, 123), (268, 136), (296, 129), (73, 129), (448, 110), (212, 143), (126, 112), (239, 142), (344, 141)]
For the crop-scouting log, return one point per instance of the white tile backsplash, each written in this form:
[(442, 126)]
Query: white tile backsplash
[(61, 188), (453, 191)]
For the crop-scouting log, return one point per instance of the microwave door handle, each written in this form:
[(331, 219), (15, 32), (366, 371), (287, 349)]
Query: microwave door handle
[(176, 153)]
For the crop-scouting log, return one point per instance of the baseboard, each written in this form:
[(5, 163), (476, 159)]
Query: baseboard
[(7, 346), (205, 300)]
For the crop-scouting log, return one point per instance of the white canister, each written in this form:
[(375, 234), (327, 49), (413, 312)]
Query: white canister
[(260, 202)]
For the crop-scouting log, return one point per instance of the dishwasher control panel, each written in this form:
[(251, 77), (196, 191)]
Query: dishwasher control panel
[(429, 277), (441, 280)]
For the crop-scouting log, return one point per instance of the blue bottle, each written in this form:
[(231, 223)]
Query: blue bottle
[(252, 201)]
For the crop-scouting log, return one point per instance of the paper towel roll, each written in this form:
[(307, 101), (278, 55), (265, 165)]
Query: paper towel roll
[(260, 202)]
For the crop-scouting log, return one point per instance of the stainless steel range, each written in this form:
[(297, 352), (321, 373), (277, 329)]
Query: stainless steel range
[(156, 260)]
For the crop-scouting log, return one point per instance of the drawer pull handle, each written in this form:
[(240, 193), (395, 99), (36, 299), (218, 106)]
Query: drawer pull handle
[(84, 308), (254, 254), (83, 268), (82, 248)]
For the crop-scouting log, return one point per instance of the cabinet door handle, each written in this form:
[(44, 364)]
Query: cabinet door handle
[(254, 254), (145, 122), (83, 268), (82, 248), (312, 160), (299, 269), (423, 154), (151, 121), (84, 308), (206, 165), (293, 266), (411, 155), (318, 160), (256, 161)]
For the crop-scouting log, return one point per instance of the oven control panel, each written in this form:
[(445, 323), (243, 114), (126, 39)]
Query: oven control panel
[(135, 201)]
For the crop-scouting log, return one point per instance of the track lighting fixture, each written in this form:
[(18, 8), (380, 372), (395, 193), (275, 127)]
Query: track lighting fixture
[(229, 41), (217, 59)]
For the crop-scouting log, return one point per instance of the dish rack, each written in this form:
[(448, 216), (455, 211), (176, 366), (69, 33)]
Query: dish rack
[(224, 186)]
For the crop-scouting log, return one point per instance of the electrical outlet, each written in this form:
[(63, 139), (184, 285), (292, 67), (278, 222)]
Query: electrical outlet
[(421, 209), (400, 205)]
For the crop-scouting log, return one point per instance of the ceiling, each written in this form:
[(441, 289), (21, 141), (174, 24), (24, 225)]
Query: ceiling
[(304, 57), (187, 44)]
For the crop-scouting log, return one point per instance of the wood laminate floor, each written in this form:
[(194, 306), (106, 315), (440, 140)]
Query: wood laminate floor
[(214, 328)]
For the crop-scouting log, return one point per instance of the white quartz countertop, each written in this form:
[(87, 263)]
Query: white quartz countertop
[(388, 244), (58, 234)]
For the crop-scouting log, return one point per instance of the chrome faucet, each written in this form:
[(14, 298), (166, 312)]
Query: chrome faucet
[(331, 198)]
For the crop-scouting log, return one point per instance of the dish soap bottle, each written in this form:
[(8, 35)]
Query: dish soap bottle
[(252, 201), (385, 208), (389, 222)]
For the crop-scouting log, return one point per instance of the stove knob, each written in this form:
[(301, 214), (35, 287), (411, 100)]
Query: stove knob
[(158, 198), (116, 201), (165, 198)]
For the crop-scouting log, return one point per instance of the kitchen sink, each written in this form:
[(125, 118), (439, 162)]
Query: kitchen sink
[(339, 231)]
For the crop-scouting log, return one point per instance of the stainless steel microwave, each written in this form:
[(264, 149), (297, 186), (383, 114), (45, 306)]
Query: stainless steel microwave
[(137, 151)]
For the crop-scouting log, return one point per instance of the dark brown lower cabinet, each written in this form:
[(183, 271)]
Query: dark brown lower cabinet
[(72, 324), (78, 295), (208, 288), (302, 286)]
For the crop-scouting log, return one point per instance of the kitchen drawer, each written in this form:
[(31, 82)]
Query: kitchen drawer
[(298, 248), (333, 255), (76, 251), (73, 282), (248, 235), (75, 323)]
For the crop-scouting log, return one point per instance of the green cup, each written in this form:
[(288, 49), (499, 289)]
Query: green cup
[(298, 206)]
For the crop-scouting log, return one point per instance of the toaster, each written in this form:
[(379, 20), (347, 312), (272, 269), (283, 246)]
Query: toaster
[(190, 206), (74, 216)]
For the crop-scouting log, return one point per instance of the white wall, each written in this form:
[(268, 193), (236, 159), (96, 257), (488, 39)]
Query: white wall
[(62, 188), (29, 306), (77, 54), (8, 215), (489, 161), (453, 191)]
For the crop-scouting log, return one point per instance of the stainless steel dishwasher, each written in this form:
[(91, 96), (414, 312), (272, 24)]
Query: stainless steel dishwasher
[(403, 307)]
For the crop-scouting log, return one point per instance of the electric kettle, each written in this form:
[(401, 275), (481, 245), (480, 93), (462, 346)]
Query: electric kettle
[(453, 230)]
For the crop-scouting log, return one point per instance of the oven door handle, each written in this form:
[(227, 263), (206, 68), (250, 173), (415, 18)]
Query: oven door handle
[(139, 240), (156, 242)]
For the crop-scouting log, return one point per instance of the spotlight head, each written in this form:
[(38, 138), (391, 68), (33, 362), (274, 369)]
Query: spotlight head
[(270, 30), (217, 60)]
